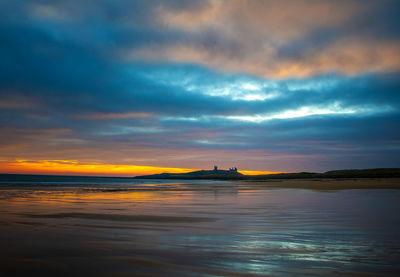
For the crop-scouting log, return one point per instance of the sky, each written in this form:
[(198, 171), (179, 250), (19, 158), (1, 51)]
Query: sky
[(123, 88)]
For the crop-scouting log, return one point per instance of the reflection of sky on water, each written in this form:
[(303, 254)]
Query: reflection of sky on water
[(205, 229)]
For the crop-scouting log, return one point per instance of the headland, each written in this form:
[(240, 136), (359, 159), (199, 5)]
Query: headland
[(234, 174)]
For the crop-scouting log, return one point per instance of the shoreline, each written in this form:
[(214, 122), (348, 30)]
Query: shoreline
[(326, 184)]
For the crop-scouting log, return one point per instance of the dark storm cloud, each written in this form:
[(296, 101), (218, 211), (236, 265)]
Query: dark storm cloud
[(68, 79)]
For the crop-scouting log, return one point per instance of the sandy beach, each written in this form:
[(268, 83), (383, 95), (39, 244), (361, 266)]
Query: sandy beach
[(201, 228), (327, 184)]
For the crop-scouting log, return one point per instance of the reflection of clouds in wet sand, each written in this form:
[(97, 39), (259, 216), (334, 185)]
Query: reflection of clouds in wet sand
[(217, 229), (326, 184), (119, 217)]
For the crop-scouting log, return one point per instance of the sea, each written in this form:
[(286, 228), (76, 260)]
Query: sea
[(96, 226)]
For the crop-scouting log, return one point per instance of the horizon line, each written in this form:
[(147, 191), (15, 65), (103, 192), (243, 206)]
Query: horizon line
[(76, 168)]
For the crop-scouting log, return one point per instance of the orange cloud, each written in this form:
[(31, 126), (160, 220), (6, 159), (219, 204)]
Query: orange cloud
[(346, 57), (279, 20), (250, 36)]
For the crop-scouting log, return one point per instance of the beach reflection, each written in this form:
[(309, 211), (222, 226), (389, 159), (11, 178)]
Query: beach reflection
[(207, 229)]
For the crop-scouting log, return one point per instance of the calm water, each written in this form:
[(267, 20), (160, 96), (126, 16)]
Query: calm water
[(126, 227)]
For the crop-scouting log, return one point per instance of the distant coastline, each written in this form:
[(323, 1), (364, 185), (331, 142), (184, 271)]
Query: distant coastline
[(218, 174), (221, 175)]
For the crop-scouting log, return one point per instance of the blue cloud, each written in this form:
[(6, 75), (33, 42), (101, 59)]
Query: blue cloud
[(63, 89)]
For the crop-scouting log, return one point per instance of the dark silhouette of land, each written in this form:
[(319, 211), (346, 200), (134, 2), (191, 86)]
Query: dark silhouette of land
[(233, 174)]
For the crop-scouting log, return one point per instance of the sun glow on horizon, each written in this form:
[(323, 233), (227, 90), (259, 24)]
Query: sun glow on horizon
[(257, 172), (74, 167)]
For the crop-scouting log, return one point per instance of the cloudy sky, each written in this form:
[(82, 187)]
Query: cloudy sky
[(130, 87)]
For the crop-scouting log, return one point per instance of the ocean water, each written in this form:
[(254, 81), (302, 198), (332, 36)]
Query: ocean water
[(85, 226)]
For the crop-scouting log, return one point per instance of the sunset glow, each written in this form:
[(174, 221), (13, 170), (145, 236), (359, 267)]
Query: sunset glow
[(125, 88), (75, 168), (70, 167), (199, 138)]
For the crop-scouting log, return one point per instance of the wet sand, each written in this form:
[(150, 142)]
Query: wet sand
[(328, 184), (274, 228)]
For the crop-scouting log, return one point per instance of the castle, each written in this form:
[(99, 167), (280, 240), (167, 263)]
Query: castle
[(233, 169)]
